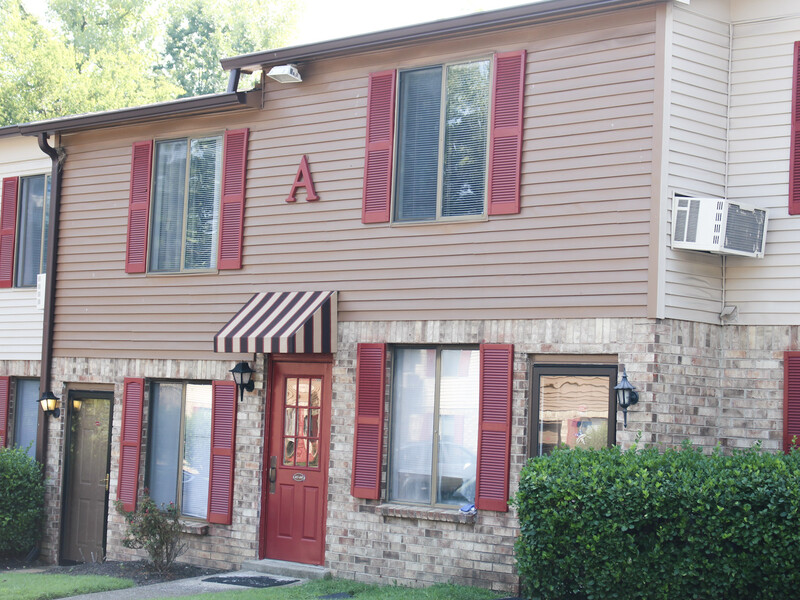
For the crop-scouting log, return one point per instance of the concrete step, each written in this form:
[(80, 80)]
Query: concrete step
[(286, 569)]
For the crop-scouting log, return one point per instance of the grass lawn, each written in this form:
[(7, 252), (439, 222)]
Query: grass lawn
[(360, 591), (44, 586)]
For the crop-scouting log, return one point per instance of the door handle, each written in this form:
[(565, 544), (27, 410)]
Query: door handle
[(273, 473), (107, 478)]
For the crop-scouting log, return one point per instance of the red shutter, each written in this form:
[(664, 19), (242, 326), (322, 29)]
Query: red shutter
[(139, 207), (380, 148), (8, 230), (794, 143), (791, 399), (494, 429), (505, 135), (223, 445), (368, 442), (5, 393), (231, 213), (130, 442)]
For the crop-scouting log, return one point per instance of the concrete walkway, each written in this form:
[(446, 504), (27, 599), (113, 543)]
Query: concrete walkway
[(179, 587)]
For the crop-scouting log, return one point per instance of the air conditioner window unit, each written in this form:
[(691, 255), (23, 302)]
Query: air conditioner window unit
[(718, 225)]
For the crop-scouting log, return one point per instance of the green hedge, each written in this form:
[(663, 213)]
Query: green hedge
[(21, 502), (670, 525)]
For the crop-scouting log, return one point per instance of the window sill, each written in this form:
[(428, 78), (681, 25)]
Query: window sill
[(192, 528), (421, 512)]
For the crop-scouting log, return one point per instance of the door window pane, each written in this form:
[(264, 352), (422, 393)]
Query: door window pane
[(26, 411), (301, 423)]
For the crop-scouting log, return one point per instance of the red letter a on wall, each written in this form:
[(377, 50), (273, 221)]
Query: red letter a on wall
[(303, 179)]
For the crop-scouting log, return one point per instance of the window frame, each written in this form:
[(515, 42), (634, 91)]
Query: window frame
[(181, 441), (20, 246), (390, 460), (394, 197), (16, 414), (577, 369), (185, 219)]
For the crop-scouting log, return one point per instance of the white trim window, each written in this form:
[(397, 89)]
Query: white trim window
[(184, 224)]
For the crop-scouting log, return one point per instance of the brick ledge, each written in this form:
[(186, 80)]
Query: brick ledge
[(428, 514), (194, 528)]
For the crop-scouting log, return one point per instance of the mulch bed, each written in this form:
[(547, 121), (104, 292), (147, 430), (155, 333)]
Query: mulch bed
[(137, 570)]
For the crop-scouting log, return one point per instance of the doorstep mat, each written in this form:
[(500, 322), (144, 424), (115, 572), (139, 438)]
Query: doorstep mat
[(253, 581)]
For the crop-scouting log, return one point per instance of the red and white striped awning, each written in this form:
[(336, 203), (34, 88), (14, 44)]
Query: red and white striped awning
[(282, 322)]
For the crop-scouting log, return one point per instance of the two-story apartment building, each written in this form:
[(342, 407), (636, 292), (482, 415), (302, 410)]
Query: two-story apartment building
[(438, 247)]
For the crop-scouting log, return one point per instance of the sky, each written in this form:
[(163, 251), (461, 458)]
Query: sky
[(330, 19)]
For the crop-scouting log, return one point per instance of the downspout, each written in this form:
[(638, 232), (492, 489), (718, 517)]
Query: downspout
[(57, 156)]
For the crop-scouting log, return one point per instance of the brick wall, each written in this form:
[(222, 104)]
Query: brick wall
[(225, 546), (709, 384)]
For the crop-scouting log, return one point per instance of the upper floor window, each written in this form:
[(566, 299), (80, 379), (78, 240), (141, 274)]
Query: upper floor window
[(186, 208), (445, 142), (184, 222), (34, 204), (24, 217), (443, 119)]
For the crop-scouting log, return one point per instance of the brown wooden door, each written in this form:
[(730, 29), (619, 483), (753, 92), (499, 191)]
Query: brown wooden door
[(86, 483), (296, 462)]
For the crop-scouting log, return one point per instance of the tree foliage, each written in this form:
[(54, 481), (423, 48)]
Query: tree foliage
[(93, 55), (199, 33)]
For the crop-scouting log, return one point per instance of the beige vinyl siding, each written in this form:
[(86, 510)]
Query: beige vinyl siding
[(697, 153), (579, 248), (766, 291), (20, 320)]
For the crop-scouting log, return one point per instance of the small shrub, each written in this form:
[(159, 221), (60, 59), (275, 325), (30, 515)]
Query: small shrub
[(21, 501), (156, 530), (656, 525)]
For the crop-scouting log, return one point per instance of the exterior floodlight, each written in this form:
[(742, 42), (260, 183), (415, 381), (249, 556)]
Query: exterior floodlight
[(285, 74)]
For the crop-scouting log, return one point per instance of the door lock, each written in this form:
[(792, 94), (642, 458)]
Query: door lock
[(273, 473)]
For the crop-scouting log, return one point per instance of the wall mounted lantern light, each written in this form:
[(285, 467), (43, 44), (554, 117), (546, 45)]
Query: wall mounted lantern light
[(626, 396), (49, 404), (243, 377)]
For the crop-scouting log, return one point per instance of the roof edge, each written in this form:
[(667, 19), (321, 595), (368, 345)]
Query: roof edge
[(515, 16), (149, 112), (9, 130)]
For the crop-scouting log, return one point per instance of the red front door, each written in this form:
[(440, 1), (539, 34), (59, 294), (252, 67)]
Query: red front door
[(296, 462)]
